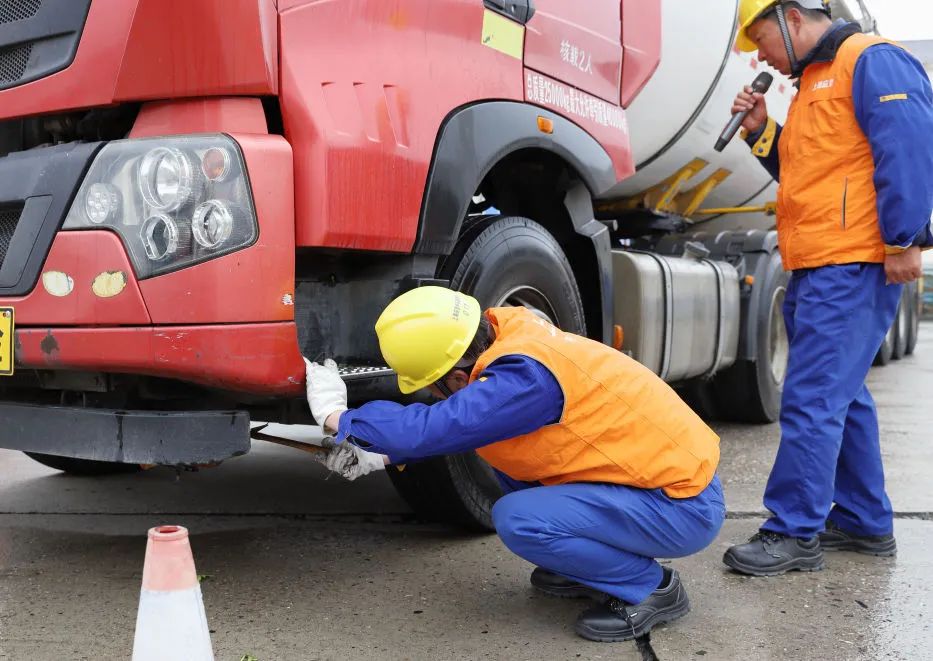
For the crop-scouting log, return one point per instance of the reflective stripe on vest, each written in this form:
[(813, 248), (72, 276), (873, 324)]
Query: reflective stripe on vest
[(827, 207), (621, 423)]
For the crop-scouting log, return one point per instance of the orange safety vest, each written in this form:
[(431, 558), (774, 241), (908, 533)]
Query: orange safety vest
[(621, 423), (827, 208)]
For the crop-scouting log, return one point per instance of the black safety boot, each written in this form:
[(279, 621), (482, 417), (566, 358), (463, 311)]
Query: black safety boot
[(558, 586), (837, 539), (771, 554), (616, 621)]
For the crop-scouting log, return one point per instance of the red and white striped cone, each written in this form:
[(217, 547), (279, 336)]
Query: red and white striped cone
[(171, 622)]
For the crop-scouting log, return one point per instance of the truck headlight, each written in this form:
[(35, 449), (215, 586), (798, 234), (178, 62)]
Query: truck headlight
[(166, 178), (101, 203), (173, 201), (212, 224), (161, 237)]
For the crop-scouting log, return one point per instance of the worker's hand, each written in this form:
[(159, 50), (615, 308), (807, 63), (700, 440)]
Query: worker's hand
[(327, 393), (351, 462), (755, 103), (904, 267)]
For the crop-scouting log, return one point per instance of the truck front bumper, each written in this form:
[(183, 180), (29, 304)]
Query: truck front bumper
[(260, 359), (131, 437), (226, 323)]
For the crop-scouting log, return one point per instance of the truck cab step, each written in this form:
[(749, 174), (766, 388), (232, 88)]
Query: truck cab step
[(360, 372)]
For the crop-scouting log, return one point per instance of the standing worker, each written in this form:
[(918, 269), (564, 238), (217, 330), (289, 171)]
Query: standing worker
[(855, 166), (605, 468)]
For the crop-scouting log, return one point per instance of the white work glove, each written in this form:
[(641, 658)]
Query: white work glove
[(351, 462), (327, 393)]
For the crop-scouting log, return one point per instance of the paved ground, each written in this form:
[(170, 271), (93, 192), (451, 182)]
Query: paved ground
[(305, 568)]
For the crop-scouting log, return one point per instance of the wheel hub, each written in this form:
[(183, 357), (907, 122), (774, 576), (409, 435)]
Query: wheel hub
[(779, 346), (531, 298)]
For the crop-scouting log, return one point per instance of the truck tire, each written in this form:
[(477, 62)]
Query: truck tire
[(900, 329), (501, 261), (456, 489), (913, 318), (886, 351), (750, 390), (698, 395), (84, 467)]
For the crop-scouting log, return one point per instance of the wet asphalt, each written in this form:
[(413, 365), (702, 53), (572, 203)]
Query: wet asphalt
[(299, 566)]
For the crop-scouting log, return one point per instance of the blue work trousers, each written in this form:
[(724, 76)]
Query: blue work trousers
[(837, 317), (607, 536)]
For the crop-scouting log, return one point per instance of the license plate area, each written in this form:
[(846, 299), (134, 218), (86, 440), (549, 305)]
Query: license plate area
[(6, 341)]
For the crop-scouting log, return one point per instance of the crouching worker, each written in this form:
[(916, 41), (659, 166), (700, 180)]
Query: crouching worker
[(604, 467)]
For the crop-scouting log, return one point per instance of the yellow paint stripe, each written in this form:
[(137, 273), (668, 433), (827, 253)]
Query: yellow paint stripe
[(893, 97), (503, 35)]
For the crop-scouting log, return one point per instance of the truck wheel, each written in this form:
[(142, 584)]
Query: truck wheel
[(698, 395), (85, 467), (750, 390), (913, 318), (502, 261), (457, 489), (886, 352), (900, 329)]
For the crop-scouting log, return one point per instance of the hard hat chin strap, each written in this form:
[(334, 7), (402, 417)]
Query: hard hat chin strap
[(441, 385), (788, 44)]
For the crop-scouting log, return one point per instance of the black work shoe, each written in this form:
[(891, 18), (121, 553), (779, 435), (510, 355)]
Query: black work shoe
[(559, 586), (837, 539), (771, 554), (616, 621)]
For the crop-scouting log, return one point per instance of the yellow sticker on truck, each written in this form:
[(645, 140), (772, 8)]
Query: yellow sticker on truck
[(504, 35), (6, 341)]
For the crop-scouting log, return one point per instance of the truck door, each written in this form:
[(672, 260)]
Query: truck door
[(578, 43)]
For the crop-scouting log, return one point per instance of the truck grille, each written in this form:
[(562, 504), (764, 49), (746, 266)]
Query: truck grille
[(13, 63), (17, 10), (15, 59), (8, 220), (38, 38)]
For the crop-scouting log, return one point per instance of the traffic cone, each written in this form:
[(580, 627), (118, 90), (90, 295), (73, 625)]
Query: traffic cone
[(171, 622)]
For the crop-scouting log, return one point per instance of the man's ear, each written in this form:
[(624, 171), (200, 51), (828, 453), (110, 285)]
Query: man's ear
[(795, 19), (460, 378)]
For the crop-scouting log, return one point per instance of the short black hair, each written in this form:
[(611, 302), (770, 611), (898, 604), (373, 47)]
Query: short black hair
[(481, 341)]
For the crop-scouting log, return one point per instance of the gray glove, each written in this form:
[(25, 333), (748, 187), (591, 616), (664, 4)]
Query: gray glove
[(327, 393), (351, 462)]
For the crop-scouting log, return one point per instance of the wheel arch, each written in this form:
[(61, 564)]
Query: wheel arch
[(496, 148)]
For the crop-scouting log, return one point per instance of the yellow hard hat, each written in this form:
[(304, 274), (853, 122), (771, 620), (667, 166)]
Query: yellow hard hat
[(424, 332), (751, 10)]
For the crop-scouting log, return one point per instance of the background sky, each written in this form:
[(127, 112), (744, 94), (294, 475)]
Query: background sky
[(902, 19)]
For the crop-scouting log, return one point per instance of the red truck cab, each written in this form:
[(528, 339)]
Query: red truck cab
[(194, 193)]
